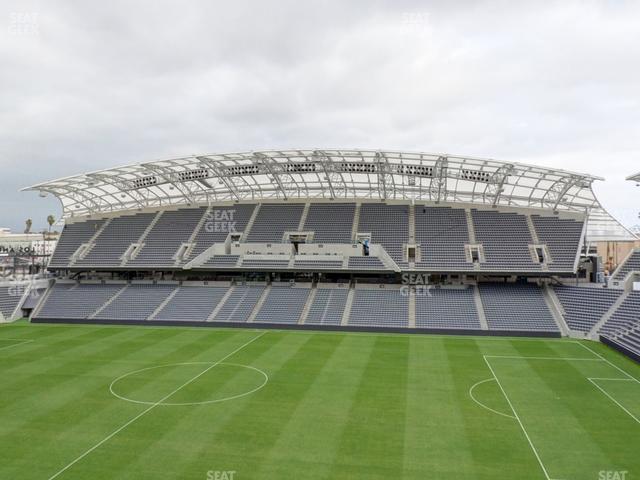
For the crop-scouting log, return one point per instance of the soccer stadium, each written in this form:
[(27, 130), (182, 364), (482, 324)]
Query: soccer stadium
[(325, 314)]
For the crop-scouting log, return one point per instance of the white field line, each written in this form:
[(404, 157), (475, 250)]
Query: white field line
[(612, 379), (625, 373), (546, 474), (482, 404), (148, 409), (599, 358), (22, 342), (611, 397), (545, 358), (204, 402)]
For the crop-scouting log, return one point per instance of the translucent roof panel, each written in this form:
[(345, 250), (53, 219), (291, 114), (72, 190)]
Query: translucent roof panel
[(331, 174)]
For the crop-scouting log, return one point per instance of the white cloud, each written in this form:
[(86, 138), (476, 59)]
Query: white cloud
[(104, 84)]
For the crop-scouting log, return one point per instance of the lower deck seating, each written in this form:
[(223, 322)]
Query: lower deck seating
[(628, 339), (626, 316), (9, 298), (632, 263), (327, 307), (284, 304), (77, 301), (516, 306), (447, 308), (239, 304), (33, 299), (380, 308), (192, 303), (584, 307), (136, 302)]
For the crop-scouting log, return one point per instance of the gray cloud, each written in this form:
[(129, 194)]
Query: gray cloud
[(90, 85)]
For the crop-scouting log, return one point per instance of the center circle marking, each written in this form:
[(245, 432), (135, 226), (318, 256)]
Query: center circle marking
[(175, 404)]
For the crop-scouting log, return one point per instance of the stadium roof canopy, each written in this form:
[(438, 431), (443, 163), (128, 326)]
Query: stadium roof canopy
[(332, 174), (634, 178)]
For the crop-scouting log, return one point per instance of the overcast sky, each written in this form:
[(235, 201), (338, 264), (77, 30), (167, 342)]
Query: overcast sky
[(91, 85)]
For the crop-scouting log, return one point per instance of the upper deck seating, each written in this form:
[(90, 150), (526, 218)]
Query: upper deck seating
[(388, 226), (562, 237), (273, 220), (442, 234), (172, 229), (331, 222), (218, 224), (505, 239), (115, 239), (73, 235)]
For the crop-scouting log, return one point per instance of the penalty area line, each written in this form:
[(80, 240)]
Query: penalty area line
[(22, 342), (154, 405), (482, 404), (517, 417), (593, 381), (624, 372)]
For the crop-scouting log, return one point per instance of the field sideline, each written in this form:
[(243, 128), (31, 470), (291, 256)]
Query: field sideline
[(105, 402)]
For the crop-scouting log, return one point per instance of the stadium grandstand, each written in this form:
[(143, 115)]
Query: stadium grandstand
[(338, 240)]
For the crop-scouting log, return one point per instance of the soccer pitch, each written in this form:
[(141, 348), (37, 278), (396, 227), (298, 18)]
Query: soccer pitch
[(104, 402)]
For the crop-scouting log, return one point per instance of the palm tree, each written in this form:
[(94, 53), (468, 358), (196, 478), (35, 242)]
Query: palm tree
[(51, 220), (28, 223)]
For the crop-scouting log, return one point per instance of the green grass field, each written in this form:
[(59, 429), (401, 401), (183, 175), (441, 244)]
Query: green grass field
[(104, 402)]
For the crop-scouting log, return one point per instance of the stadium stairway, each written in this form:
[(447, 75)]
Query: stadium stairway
[(85, 248), (307, 306), (222, 302), (555, 307), (259, 304), (108, 302), (164, 303), (348, 305), (478, 303), (594, 332), (629, 266), (252, 220)]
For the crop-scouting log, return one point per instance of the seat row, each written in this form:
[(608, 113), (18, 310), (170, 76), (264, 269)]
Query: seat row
[(173, 238), (513, 307)]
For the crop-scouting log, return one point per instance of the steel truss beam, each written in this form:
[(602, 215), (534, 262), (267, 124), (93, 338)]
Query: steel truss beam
[(326, 173)]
